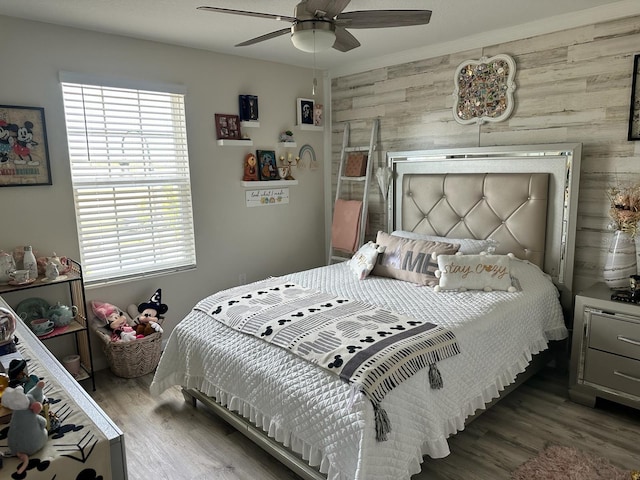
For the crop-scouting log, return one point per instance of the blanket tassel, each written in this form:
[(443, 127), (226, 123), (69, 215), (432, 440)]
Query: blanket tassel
[(383, 425), (435, 379)]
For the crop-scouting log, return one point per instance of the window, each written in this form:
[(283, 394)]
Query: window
[(130, 175)]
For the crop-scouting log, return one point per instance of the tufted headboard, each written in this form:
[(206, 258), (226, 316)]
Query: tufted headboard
[(525, 197)]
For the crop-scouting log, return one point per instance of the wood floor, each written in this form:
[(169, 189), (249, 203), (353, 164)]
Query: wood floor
[(167, 439)]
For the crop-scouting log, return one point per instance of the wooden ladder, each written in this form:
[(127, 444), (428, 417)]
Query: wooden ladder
[(345, 182)]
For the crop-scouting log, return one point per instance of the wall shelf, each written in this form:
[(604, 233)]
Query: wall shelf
[(317, 128), (269, 183), (287, 144), (250, 124), (225, 142)]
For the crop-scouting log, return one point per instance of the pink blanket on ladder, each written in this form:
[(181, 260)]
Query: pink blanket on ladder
[(345, 229)]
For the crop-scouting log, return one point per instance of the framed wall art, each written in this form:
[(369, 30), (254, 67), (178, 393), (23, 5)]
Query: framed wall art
[(484, 90), (634, 114), (228, 127), (267, 165), (24, 153), (304, 109), (248, 108)]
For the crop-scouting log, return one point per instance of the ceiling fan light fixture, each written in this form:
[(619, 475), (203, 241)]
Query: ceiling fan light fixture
[(313, 35)]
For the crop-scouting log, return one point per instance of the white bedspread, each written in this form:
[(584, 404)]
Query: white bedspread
[(317, 414)]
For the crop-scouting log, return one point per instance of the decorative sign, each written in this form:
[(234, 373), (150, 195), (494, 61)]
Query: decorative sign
[(267, 196), (484, 90)]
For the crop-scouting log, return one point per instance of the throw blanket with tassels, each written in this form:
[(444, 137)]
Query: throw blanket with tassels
[(370, 347)]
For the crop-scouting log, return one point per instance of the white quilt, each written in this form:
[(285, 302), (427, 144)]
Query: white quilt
[(319, 416)]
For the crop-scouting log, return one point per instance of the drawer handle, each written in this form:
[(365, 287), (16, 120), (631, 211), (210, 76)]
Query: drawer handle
[(624, 375), (629, 340)]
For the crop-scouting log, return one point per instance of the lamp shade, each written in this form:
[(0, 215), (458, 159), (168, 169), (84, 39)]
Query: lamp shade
[(313, 35)]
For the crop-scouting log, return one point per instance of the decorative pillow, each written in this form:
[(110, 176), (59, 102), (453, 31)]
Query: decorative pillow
[(410, 260), (468, 246), (365, 258), (474, 272)]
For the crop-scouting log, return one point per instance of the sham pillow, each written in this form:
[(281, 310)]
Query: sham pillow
[(474, 272), (364, 259), (468, 246), (410, 260)]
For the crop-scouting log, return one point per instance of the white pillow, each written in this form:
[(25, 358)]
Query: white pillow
[(468, 246), (474, 272), (365, 258)]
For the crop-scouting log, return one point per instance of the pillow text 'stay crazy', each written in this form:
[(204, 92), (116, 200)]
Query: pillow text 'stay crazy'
[(498, 271)]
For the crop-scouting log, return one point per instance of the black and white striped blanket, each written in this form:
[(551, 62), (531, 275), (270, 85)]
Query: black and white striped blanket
[(365, 345)]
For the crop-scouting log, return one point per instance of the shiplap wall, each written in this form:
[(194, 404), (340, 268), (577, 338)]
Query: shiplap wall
[(572, 86)]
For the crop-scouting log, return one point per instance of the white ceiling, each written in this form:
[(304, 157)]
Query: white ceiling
[(455, 25)]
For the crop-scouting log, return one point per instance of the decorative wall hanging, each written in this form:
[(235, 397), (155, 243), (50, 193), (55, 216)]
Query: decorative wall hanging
[(304, 110), (484, 90), (248, 108), (634, 115), (266, 197), (24, 154), (307, 158), (227, 126)]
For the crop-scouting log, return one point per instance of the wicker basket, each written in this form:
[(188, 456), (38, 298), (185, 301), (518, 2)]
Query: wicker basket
[(131, 359)]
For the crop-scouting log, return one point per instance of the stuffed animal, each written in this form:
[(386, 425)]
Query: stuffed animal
[(27, 429), (116, 320), (150, 314)]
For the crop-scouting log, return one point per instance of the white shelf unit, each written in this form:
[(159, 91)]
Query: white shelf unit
[(225, 142), (269, 183), (316, 128)]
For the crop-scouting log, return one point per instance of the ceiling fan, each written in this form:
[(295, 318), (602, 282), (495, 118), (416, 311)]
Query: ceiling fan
[(318, 25)]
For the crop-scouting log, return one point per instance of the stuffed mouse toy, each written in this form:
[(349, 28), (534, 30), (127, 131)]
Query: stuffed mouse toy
[(115, 319), (27, 429), (150, 314)]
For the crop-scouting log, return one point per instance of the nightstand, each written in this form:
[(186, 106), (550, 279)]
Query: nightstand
[(605, 352)]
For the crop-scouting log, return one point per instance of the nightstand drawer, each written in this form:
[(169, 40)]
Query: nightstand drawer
[(609, 334), (612, 371)]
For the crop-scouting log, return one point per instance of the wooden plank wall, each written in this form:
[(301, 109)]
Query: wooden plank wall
[(572, 86)]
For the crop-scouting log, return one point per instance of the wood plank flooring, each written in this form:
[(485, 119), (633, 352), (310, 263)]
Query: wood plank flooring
[(167, 439)]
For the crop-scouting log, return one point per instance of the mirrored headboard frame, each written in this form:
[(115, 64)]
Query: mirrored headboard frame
[(560, 161)]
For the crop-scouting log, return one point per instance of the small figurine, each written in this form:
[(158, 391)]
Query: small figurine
[(286, 136), (18, 375), (250, 168)]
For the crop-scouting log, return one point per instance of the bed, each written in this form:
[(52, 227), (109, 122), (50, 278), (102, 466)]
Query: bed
[(521, 199)]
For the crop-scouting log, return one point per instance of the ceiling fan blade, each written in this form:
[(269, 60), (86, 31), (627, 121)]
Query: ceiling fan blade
[(329, 8), (383, 18), (345, 41), (262, 38), (248, 14)]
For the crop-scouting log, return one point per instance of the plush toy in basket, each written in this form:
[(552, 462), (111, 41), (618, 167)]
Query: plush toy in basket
[(148, 315), (131, 354)]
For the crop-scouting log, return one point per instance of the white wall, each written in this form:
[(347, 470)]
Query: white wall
[(230, 238)]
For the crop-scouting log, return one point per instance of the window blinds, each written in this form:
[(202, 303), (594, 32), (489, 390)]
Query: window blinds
[(131, 184)]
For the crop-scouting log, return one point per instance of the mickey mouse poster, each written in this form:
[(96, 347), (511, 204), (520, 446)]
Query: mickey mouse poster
[(24, 155)]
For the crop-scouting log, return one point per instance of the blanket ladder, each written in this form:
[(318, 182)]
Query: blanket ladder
[(347, 181)]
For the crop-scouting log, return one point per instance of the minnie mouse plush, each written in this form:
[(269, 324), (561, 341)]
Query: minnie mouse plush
[(115, 319)]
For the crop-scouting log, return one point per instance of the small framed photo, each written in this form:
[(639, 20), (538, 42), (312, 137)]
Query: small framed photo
[(267, 165), (248, 108), (24, 153), (634, 114), (305, 111), (317, 114), (228, 127)]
